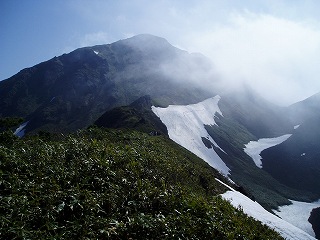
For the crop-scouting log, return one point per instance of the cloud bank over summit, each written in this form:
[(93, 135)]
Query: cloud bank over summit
[(272, 46), (275, 56)]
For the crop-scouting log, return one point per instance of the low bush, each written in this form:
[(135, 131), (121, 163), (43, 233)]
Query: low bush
[(114, 184)]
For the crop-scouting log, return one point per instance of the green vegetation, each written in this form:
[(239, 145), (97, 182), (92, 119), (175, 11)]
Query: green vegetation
[(270, 193), (9, 123), (114, 184), (138, 116), (7, 126)]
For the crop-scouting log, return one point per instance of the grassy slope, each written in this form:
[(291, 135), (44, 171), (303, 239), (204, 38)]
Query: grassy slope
[(114, 184), (138, 116), (231, 137)]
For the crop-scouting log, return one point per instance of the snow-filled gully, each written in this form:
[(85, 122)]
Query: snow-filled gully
[(254, 148), (186, 126), (19, 132), (255, 210)]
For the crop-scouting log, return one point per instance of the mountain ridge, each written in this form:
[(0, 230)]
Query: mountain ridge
[(115, 86), (105, 77)]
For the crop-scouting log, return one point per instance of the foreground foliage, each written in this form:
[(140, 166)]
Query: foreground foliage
[(107, 184)]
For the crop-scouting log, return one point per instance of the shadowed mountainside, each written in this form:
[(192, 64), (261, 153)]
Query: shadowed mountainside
[(71, 91)]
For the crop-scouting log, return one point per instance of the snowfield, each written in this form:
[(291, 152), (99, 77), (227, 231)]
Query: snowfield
[(19, 132), (298, 214), (255, 210), (254, 148), (185, 126)]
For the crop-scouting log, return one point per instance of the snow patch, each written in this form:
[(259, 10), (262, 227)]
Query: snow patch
[(185, 126), (296, 126), (255, 210), (254, 148), (303, 154), (20, 131), (298, 214), (96, 52), (230, 188)]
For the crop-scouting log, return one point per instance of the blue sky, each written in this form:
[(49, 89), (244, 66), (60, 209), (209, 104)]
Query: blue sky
[(274, 45)]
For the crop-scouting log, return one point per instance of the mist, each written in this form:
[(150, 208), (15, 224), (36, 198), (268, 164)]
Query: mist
[(272, 46), (276, 57)]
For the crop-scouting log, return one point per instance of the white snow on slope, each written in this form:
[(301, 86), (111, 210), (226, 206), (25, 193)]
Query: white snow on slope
[(298, 213), (255, 210), (296, 126), (254, 148), (185, 126), (230, 188), (20, 130), (96, 52)]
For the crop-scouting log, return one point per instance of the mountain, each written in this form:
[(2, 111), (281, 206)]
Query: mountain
[(144, 83), (295, 162), (220, 135), (259, 116), (304, 110), (71, 91), (214, 135)]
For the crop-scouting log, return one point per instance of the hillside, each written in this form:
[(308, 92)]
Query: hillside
[(297, 158), (71, 91), (137, 115), (145, 84), (213, 135), (223, 135), (114, 184)]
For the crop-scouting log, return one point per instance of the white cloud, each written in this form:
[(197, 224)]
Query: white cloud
[(272, 45), (95, 39), (278, 57)]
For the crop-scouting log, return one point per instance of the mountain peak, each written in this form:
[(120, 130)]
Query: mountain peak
[(148, 42), (143, 38)]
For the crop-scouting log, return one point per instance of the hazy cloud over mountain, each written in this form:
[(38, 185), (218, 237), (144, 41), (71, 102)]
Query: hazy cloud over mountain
[(277, 56), (272, 45)]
